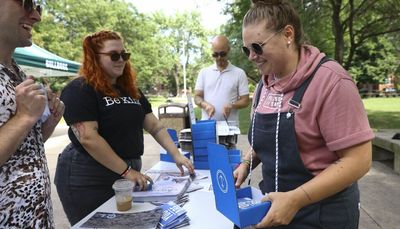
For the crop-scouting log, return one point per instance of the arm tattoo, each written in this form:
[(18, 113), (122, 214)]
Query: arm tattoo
[(78, 129)]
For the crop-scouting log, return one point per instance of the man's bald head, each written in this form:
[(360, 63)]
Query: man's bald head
[(221, 43), (220, 48)]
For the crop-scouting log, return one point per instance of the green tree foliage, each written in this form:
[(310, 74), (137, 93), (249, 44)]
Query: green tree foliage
[(66, 22), (155, 41), (233, 29), (356, 22), (363, 35), (374, 61), (185, 43), (349, 30)]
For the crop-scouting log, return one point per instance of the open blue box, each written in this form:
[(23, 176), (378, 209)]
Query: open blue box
[(164, 155), (227, 197)]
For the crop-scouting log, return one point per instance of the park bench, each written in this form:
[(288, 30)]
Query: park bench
[(386, 148)]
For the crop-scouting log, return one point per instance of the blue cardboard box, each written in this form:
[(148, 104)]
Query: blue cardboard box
[(165, 156), (204, 126), (242, 206), (174, 136), (201, 165), (204, 135), (202, 143), (234, 156), (200, 152), (203, 132), (201, 158)]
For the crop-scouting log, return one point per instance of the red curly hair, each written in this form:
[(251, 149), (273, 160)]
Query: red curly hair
[(92, 71)]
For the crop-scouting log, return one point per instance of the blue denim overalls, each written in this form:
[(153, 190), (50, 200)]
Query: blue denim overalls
[(339, 211)]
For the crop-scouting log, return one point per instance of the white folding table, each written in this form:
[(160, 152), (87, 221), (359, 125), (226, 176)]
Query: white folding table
[(200, 208)]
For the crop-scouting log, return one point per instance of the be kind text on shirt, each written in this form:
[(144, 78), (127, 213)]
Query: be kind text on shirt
[(121, 100)]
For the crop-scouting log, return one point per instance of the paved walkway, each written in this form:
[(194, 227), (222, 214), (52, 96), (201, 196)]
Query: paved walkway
[(380, 188)]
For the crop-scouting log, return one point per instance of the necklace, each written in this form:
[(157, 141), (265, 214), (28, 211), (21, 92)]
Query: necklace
[(280, 99)]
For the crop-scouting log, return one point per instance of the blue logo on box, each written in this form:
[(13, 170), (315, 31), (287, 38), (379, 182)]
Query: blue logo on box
[(222, 182)]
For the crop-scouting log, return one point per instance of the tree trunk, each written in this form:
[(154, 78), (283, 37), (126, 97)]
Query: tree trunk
[(175, 73), (338, 30)]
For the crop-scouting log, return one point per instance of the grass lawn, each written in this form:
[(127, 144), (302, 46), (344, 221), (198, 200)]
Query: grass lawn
[(383, 113)]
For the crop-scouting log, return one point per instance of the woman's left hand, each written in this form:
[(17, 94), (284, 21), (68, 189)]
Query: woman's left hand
[(283, 209), (181, 160)]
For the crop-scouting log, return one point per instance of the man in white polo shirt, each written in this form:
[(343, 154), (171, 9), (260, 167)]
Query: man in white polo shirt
[(222, 88)]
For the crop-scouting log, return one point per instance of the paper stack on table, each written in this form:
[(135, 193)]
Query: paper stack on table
[(167, 186), (173, 216), (142, 220)]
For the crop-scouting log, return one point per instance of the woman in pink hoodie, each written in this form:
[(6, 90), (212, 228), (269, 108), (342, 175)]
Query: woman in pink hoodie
[(309, 128)]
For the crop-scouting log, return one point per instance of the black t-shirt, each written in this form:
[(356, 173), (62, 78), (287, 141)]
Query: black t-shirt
[(120, 120)]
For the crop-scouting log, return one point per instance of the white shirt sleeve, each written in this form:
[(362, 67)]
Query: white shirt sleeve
[(200, 82), (243, 84)]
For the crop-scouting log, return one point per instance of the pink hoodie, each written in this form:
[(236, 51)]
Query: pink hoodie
[(331, 117)]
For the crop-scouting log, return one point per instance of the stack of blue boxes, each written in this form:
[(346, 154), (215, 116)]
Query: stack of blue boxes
[(204, 132), (234, 158)]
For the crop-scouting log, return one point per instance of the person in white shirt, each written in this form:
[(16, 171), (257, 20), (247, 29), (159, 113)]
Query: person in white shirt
[(222, 88)]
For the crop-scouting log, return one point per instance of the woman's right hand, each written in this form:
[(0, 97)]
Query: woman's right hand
[(240, 174), (138, 178)]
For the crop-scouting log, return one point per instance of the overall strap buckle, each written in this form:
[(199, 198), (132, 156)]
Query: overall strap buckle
[(294, 104)]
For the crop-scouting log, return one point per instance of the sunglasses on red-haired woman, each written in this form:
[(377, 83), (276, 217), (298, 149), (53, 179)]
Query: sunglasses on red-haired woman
[(30, 5), (114, 56)]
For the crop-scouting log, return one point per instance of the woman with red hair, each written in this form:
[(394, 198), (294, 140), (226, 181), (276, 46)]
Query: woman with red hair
[(106, 113)]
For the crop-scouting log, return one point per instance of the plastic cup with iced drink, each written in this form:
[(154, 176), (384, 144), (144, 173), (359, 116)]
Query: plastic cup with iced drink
[(123, 194)]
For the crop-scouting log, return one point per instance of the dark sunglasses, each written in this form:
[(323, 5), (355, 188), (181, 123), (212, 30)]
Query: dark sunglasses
[(221, 54), (114, 56), (30, 5), (258, 47)]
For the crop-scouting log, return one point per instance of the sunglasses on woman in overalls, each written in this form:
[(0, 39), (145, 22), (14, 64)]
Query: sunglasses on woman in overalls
[(258, 47)]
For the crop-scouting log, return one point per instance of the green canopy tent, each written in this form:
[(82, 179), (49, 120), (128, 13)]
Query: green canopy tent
[(39, 62)]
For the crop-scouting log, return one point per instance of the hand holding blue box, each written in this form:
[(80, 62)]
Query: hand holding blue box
[(228, 200)]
